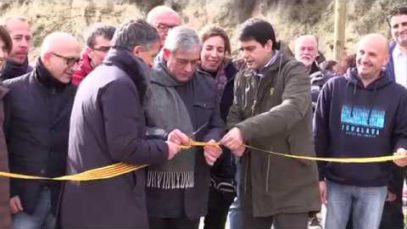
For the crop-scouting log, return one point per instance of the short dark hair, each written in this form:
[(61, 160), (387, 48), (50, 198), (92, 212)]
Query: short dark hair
[(399, 10), (328, 65), (135, 33), (5, 37), (258, 30), (96, 30), (214, 31)]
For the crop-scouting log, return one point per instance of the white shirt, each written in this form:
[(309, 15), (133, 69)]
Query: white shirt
[(400, 66)]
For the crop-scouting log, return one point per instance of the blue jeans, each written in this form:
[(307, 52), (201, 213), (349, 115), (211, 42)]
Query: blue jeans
[(41, 218), (235, 215), (235, 212), (366, 204)]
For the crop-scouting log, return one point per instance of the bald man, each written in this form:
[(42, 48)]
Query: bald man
[(38, 109), (163, 18), (360, 115)]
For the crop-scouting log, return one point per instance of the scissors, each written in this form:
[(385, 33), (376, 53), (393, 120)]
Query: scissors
[(199, 129)]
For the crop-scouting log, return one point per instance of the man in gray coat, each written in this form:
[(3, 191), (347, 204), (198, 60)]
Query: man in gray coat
[(108, 126), (272, 111), (184, 100)]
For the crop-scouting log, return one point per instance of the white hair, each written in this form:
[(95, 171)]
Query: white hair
[(158, 10)]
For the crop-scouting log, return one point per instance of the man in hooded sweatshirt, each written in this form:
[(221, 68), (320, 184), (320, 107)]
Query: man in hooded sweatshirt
[(360, 115)]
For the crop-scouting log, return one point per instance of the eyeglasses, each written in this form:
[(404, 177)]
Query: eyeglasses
[(164, 27), (70, 61), (102, 48), (184, 62)]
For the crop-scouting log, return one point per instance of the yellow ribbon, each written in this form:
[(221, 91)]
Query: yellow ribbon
[(326, 159), (118, 169), (335, 159)]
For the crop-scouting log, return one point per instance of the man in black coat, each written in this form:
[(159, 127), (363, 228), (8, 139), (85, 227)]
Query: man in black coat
[(38, 108), (108, 126), (20, 31)]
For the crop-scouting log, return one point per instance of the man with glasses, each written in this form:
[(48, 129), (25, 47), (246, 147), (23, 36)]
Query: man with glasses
[(163, 18), (98, 39), (20, 31), (38, 109), (182, 99)]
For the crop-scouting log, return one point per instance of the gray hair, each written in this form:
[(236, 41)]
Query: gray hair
[(159, 10), (135, 33), (181, 37), (21, 18), (96, 30)]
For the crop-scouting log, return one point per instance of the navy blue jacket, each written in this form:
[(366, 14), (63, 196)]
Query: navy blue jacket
[(38, 109), (354, 121)]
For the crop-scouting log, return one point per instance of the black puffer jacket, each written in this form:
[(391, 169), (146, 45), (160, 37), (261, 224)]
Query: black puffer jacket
[(38, 108)]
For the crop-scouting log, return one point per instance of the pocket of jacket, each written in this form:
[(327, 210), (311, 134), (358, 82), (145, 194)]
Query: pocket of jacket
[(204, 105), (292, 147), (203, 111)]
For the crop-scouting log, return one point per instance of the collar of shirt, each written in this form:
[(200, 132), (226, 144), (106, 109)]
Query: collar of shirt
[(260, 73), (397, 52), (400, 66)]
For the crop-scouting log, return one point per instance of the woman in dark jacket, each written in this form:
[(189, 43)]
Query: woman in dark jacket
[(5, 215), (214, 63)]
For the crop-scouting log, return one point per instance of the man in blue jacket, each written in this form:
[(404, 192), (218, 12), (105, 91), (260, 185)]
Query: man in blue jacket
[(397, 66), (396, 70), (360, 115)]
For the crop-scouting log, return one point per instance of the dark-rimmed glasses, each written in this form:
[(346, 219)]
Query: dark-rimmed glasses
[(102, 48), (185, 62), (70, 61), (165, 27)]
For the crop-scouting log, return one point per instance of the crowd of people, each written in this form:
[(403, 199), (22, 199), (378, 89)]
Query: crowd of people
[(142, 92)]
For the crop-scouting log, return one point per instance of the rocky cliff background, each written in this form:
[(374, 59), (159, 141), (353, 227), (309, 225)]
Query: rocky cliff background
[(289, 17)]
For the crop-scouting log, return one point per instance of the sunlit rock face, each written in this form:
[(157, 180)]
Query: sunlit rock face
[(289, 17)]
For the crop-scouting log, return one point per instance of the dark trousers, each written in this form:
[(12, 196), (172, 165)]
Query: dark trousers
[(173, 223), (218, 207), (280, 221), (392, 217)]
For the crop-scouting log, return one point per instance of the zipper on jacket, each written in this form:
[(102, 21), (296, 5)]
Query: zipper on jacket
[(254, 104), (268, 173), (256, 94)]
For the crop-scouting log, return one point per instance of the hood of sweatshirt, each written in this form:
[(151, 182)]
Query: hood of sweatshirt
[(353, 79)]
